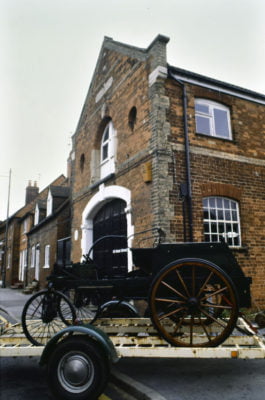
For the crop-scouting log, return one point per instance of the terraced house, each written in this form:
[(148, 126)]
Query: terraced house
[(158, 147)]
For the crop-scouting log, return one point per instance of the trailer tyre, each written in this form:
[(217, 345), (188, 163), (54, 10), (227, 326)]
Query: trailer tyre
[(77, 370)]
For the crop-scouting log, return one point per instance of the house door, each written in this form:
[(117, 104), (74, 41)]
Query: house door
[(63, 252), (111, 254)]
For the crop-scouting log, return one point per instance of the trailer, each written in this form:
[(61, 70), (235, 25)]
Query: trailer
[(78, 358), (193, 294)]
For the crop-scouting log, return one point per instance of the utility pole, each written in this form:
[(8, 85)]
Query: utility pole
[(5, 261)]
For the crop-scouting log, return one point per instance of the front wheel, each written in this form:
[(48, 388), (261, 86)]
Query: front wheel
[(77, 370), (44, 314)]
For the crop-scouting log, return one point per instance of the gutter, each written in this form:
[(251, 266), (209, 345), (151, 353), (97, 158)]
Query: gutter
[(188, 193)]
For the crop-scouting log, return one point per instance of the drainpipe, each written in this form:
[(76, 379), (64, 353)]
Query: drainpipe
[(187, 153)]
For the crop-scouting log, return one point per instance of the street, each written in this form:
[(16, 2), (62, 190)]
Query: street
[(23, 379), (200, 379)]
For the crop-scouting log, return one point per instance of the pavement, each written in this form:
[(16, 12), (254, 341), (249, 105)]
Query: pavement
[(12, 302)]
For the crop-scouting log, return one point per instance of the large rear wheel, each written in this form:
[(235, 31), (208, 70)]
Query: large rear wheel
[(193, 303)]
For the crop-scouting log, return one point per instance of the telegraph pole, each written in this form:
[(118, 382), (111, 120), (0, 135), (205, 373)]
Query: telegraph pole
[(5, 261)]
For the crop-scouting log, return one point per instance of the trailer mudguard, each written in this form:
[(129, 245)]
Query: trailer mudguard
[(88, 330)]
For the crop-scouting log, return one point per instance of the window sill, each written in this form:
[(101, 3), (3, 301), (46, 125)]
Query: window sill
[(205, 135), (241, 249), (46, 266)]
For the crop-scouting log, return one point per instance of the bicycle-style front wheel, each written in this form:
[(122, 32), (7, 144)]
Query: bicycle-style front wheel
[(44, 314)]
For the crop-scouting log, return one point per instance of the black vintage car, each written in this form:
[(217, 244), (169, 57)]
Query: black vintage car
[(193, 292)]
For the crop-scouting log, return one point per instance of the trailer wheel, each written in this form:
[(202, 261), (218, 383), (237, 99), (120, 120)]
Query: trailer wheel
[(77, 370), (44, 314), (193, 303)]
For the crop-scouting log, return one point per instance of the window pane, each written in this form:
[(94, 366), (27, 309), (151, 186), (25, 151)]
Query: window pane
[(227, 215), (203, 108), (206, 228), (221, 214), (221, 228), (213, 214), (226, 203), (233, 205), (221, 123), (207, 238), (205, 203), (212, 202), (105, 152), (203, 125), (205, 214), (236, 241), (106, 135), (219, 202), (213, 227)]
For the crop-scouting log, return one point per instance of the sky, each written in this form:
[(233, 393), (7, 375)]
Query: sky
[(49, 50)]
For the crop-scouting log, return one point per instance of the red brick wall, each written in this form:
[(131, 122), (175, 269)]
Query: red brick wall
[(234, 169)]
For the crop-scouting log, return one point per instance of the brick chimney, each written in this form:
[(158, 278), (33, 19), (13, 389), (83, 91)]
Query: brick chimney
[(32, 192)]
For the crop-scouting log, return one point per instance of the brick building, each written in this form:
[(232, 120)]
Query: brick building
[(49, 227), (33, 232), (160, 147)]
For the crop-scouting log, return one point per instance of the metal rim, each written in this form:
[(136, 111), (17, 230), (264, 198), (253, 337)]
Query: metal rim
[(75, 372)]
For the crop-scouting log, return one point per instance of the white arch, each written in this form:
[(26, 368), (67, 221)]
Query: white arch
[(103, 196)]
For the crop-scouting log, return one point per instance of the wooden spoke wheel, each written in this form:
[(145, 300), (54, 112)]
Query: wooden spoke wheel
[(193, 303), (44, 314)]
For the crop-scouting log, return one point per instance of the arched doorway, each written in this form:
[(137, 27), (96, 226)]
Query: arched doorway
[(110, 254), (104, 197)]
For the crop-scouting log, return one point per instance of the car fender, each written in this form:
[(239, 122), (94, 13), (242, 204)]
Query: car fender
[(92, 333)]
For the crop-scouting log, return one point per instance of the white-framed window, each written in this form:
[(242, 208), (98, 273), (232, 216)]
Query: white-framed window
[(47, 256), (212, 119), (37, 262), (8, 260), (36, 215), (33, 256), (221, 220), (25, 225), (22, 264), (49, 204), (107, 151)]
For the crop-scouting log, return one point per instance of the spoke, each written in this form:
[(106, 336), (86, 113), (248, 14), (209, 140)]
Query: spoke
[(170, 300), (193, 280), (205, 283), (205, 330), (183, 283), (191, 330), (178, 325), (212, 305), (35, 328), (171, 313), (174, 290), (56, 323), (214, 319), (36, 308), (212, 294)]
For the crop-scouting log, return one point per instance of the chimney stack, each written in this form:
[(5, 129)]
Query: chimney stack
[(31, 192)]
